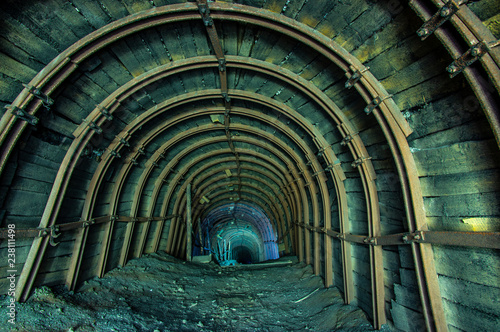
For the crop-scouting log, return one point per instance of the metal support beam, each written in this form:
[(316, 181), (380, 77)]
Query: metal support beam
[(189, 225)]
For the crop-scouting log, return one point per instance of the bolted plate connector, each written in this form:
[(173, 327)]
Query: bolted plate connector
[(369, 240), (46, 100), (226, 97), (374, 103), (105, 112), (348, 138), (124, 142), (23, 115), (359, 161), (95, 127), (444, 14), (355, 77), (205, 14), (115, 154), (222, 64), (472, 55)]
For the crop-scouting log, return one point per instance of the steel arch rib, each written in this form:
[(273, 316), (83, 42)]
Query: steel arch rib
[(411, 188)]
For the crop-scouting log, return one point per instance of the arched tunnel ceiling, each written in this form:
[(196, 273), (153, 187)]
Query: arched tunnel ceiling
[(333, 119)]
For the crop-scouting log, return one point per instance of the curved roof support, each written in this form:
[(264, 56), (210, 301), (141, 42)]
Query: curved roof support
[(262, 145), (369, 88), (215, 183)]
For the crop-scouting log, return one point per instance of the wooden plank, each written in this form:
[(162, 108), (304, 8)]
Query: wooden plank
[(127, 58), (14, 69), (468, 319), (114, 9), (312, 13), (388, 37), (362, 27), (480, 266), (461, 157), (408, 297), (15, 52), (463, 205), (21, 36), (69, 17), (343, 14), (274, 5), (92, 12), (470, 183), (135, 6), (406, 319), (439, 115), (413, 74), (155, 45), (39, 18), (477, 296), (49, 279), (426, 91), (25, 203)]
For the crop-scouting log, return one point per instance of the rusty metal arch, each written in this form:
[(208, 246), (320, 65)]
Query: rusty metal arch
[(273, 168), (205, 188), (284, 175), (79, 130), (425, 269), (254, 142), (198, 160)]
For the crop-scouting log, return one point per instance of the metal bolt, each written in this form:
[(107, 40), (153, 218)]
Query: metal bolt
[(476, 51), (445, 11), (417, 237), (423, 32), (405, 238), (451, 69)]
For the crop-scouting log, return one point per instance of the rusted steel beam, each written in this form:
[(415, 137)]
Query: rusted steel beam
[(81, 236)]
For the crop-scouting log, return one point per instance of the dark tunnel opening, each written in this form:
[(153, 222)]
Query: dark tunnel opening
[(242, 255)]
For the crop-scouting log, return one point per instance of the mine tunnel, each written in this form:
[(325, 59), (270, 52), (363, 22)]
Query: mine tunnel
[(360, 136)]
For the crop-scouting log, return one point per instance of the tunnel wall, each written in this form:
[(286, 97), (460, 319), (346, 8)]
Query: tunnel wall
[(452, 143)]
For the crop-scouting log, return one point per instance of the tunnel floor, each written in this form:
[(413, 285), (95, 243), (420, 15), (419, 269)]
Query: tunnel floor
[(160, 293)]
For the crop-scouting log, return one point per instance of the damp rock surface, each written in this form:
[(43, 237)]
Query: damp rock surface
[(160, 293)]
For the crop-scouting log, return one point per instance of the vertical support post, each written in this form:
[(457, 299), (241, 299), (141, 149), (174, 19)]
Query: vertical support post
[(200, 234), (189, 226)]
